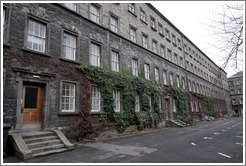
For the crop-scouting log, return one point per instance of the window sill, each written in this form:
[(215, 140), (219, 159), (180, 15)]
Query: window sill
[(143, 21), (95, 113), (68, 113), (36, 52), (69, 60), (153, 28), (161, 34), (132, 13)]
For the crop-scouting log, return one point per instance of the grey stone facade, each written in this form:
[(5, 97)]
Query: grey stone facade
[(23, 66), (236, 90)]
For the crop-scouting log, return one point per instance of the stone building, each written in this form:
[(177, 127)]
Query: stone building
[(236, 89), (43, 44)]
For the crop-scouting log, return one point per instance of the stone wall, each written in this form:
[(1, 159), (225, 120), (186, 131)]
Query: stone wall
[(52, 69)]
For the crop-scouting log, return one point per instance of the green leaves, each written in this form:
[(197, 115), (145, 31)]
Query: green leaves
[(208, 101), (180, 96), (129, 87)]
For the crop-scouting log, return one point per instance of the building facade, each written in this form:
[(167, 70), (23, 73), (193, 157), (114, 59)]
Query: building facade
[(236, 89), (43, 44)]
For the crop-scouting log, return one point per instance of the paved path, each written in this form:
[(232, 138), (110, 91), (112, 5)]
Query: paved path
[(211, 142)]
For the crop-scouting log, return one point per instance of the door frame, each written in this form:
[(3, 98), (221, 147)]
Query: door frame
[(46, 93)]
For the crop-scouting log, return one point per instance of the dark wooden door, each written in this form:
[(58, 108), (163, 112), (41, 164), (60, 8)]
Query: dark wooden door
[(166, 103), (32, 104)]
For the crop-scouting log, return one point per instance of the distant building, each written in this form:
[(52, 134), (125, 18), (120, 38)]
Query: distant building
[(236, 89)]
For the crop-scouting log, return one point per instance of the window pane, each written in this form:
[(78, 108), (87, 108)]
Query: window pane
[(95, 55), (31, 96), (36, 36), (94, 13), (68, 97)]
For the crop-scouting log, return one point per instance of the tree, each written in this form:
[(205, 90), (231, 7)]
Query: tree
[(227, 26)]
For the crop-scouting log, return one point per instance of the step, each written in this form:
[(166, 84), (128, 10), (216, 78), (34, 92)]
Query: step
[(180, 121), (42, 144), (177, 123), (47, 148), (41, 139), (49, 152), (37, 134)]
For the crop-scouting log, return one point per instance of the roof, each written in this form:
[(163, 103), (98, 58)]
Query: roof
[(238, 74)]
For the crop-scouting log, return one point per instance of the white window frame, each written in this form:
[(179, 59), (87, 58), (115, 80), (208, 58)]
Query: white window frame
[(94, 13), (174, 39), (171, 78), (196, 104), (181, 63), (162, 51), (69, 45), (68, 96), (194, 87), (152, 22), (164, 74), (189, 84), (169, 54), (185, 48), (115, 61), (114, 24), (146, 71), (160, 29), (154, 46), (145, 41), (175, 58), (36, 39), (191, 105), (137, 103), (179, 43), (116, 96), (142, 15), (183, 83), (96, 55), (159, 102), (131, 7), (133, 34), (96, 99), (177, 80), (72, 6), (157, 75), (135, 67), (168, 35), (174, 105)]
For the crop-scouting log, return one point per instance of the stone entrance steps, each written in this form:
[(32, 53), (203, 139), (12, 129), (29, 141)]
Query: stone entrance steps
[(175, 123), (34, 144)]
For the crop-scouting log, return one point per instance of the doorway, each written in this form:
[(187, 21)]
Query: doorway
[(32, 107), (166, 104)]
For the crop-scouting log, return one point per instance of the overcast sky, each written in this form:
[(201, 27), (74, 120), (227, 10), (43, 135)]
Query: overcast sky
[(192, 18)]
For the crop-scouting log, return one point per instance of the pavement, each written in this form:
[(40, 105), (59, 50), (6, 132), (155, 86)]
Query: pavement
[(218, 141)]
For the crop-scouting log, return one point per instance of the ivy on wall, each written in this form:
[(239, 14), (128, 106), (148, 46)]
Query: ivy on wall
[(208, 102), (129, 86), (180, 95)]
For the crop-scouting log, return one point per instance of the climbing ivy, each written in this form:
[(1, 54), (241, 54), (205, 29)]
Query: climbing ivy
[(208, 102), (180, 96), (129, 86)]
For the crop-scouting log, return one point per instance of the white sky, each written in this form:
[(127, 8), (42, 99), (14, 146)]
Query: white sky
[(192, 19)]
